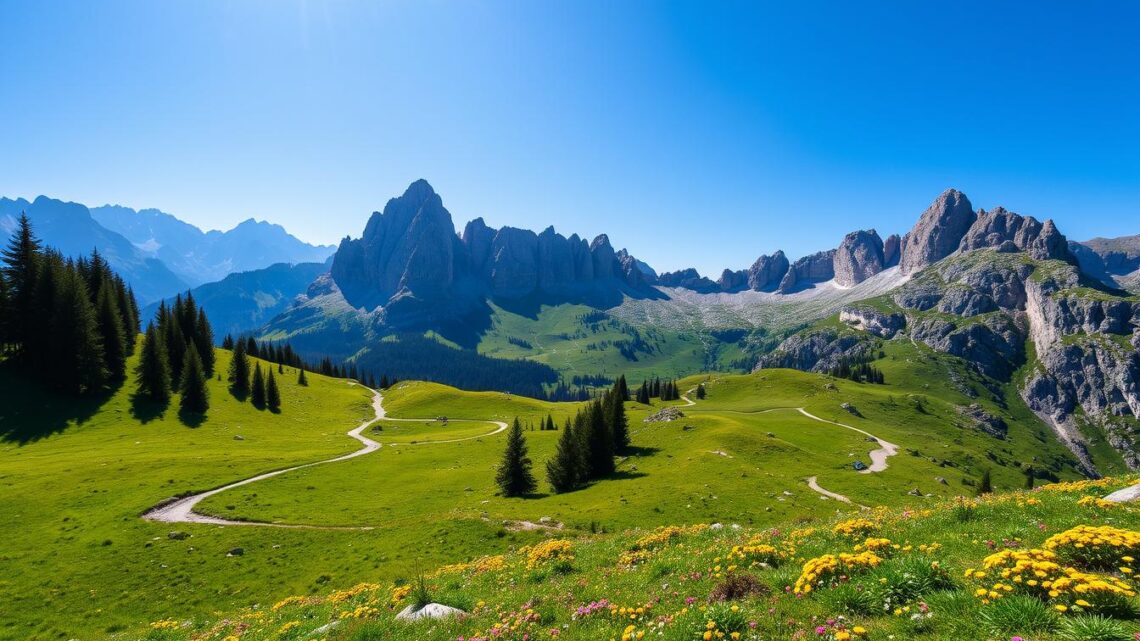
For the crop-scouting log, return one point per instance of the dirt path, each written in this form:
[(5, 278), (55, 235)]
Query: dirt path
[(878, 455), (182, 510)]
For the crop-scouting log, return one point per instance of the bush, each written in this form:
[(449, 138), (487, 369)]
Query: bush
[(900, 582), (849, 598), (1017, 615), (1093, 628)]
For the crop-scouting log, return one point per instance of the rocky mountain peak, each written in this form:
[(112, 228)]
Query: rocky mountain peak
[(858, 257), (938, 231)]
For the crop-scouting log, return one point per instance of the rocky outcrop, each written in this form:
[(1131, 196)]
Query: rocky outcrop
[(604, 258), (891, 250), (815, 268), (514, 264), (732, 281), (984, 421), (765, 274), (688, 278), (938, 231), (994, 344), (858, 257), (992, 229), (816, 351), (868, 319)]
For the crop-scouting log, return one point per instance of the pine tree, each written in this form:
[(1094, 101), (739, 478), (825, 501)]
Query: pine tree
[(21, 267), (129, 309), (643, 393), (175, 340), (599, 441), (5, 315), (228, 343), (986, 486), (701, 393), (204, 342), (616, 420), (109, 320), (562, 471), (272, 394), (77, 365), (195, 395), (623, 388), (153, 368), (514, 477), (239, 371), (301, 380), (1029, 478), (257, 388)]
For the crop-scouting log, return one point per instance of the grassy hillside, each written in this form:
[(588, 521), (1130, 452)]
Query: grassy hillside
[(1052, 564), (743, 455), (78, 561)]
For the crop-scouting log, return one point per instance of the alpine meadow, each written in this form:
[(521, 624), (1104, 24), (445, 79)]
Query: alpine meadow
[(522, 321)]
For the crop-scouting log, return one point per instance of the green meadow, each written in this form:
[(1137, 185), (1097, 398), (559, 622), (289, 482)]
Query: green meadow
[(76, 482)]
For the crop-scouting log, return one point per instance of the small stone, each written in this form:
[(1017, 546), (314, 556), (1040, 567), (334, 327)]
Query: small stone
[(239, 437), (546, 520), (178, 536), (941, 480), (859, 466), (235, 552)]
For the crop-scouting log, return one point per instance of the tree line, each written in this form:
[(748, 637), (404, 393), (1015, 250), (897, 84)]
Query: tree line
[(666, 391), (283, 354), (70, 323)]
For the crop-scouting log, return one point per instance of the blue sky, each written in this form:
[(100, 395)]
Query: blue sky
[(693, 133)]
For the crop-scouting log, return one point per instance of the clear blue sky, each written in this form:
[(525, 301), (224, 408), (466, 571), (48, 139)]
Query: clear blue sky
[(693, 133)]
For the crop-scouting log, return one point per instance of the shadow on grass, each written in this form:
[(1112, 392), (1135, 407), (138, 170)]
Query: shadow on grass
[(625, 474), (146, 409), (640, 450), (29, 411), (191, 419)]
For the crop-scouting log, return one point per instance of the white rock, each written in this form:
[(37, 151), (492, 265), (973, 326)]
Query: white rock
[(429, 611), (1127, 495)]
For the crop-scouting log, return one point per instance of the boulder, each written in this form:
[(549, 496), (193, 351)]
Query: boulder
[(429, 611), (1129, 494)]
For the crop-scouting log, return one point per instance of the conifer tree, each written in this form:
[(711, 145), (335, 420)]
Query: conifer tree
[(301, 380), (272, 394), (701, 393), (562, 471), (257, 388), (239, 371), (21, 266), (130, 311), (78, 354), (623, 388), (174, 339), (195, 395), (5, 315), (228, 343), (204, 342), (1029, 478), (109, 320), (153, 368), (514, 477), (599, 441), (615, 417)]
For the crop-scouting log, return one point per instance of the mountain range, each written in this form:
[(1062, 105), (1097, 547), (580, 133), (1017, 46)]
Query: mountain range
[(1041, 321), (158, 254)]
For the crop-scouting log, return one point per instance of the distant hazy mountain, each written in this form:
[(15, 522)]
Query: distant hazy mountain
[(1115, 261), (202, 257), (70, 228), (244, 301)]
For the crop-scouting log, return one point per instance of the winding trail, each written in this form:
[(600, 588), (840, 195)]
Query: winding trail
[(878, 455), (181, 510)]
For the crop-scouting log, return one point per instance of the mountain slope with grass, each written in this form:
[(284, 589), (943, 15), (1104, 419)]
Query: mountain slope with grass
[(1051, 564)]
